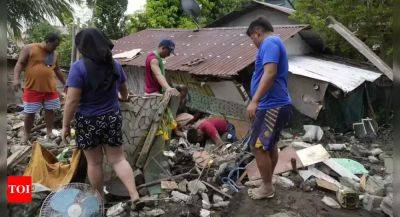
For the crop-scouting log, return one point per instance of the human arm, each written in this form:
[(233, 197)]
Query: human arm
[(155, 68), (71, 103), (270, 54), (266, 82), (123, 92), (19, 66), (59, 75)]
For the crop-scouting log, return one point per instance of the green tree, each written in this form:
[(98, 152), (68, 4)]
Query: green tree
[(36, 11), (109, 17), (371, 21), (168, 14)]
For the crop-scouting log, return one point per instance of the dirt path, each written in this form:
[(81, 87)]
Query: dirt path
[(306, 204)]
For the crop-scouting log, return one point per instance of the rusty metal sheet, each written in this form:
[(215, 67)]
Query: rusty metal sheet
[(223, 51)]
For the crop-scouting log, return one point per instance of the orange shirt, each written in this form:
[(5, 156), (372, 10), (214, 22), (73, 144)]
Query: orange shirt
[(38, 76)]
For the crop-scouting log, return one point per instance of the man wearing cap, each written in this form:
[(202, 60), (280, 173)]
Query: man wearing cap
[(155, 80)]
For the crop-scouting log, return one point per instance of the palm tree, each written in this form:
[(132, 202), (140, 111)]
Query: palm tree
[(35, 11)]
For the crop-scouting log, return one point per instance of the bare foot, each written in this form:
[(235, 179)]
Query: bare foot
[(261, 193), (254, 183)]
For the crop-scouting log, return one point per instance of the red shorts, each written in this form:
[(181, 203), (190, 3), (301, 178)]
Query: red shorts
[(35, 100)]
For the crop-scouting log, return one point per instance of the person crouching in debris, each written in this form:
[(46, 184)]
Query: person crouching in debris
[(40, 61), (270, 106), (94, 83), (211, 128)]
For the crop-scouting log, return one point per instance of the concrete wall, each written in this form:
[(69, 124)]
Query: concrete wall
[(297, 46), (273, 16)]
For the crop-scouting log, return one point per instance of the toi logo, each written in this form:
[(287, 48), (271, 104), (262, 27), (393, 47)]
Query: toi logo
[(19, 189)]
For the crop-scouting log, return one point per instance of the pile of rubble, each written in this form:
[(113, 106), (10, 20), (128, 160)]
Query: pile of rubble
[(205, 179), (353, 170)]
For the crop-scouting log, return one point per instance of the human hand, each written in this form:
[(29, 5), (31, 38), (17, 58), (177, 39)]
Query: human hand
[(172, 91), (251, 110), (16, 85), (65, 133)]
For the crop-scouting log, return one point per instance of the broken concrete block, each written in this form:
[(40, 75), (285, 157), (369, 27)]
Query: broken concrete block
[(376, 151), (196, 186), (284, 182), (221, 204), (169, 185), (371, 202), (149, 200), (139, 177), (375, 185), (388, 164), (116, 210), (337, 147), (350, 183), (285, 214), (217, 198), (155, 212), (178, 197), (286, 135), (313, 133), (182, 185), (205, 201), (330, 202), (373, 159), (387, 204), (205, 213)]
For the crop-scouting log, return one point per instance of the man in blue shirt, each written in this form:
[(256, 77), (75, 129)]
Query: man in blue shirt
[(270, 107)]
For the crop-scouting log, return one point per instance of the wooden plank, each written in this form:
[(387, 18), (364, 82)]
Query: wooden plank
[(361, 47), (327, 185), (18, 156)]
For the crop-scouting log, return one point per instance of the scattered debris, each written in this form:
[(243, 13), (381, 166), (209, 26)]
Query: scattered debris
[(373, 159), (375, 185), (347, 198), (387, 205), (155, 212), (284, 182), (313, 155), (337, 147), (371, 202), (182, 186), (338, 168), (313, 133), (205, 213), (330, 202), (178, 196), (196, 186), (376, 151), (169, 185)]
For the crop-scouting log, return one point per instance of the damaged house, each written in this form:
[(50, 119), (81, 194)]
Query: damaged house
[(216, 64)]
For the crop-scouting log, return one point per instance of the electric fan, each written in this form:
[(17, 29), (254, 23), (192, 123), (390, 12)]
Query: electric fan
[(73, 200)]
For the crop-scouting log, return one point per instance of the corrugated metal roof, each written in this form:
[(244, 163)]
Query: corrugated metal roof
[(221, 52), (345, 77), (277, 7)]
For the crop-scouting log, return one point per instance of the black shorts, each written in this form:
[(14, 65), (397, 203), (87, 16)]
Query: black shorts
[(92, 131)]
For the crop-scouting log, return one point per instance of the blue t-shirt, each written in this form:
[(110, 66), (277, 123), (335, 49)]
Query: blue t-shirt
[(272, 50), (94, 103)]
